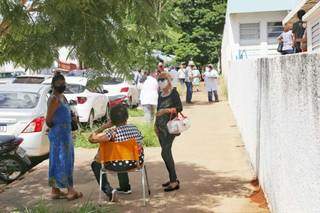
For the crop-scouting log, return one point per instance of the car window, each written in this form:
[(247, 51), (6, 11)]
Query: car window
[(74, 89), (28, 80), (18, 100), (6, 75), (113, 81)]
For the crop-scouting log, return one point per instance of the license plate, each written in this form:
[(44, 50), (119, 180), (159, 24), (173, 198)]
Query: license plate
[(21, 152), (3, 127)]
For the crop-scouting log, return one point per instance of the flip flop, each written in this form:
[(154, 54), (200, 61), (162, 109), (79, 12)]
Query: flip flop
[(75, 196), (58, 196)]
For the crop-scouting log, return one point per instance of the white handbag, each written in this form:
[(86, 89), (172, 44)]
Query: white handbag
[(178, 125)]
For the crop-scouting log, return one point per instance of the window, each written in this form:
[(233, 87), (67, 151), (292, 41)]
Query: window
[(315, 36), (274, 31), (250, 34), (18, 100)]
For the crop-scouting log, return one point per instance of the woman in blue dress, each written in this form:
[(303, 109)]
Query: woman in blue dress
[(61, 157)]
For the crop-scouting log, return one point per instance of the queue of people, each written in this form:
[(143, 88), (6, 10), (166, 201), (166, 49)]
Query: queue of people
[(161, 103), (293, 39)]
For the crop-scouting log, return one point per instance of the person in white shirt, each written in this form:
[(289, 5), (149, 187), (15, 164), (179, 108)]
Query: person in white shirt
[(174, 75), (149, 97), (211, 82), (181, 73), (188, 81), (196, 79), (286, 38)]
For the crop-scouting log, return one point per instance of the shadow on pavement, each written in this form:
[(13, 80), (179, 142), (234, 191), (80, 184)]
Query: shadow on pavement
[(199, 191)]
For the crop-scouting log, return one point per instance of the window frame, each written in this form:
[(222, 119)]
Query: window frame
[(254, 41), (273, 40)]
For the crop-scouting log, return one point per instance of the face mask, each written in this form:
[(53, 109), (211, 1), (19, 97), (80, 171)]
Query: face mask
[(163, 84), (60, 89)]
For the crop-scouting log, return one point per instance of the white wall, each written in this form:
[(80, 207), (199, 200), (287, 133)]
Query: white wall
[(276, 102)]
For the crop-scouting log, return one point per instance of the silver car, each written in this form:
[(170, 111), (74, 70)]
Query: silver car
[(22, 113)]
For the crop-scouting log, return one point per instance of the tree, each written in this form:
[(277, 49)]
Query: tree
[(103, 34), (201, 25)]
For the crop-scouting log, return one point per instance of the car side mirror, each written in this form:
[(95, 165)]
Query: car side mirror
[(72, 103), (105, 91)]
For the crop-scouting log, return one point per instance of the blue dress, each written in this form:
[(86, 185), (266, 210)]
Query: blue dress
[(61, 157)]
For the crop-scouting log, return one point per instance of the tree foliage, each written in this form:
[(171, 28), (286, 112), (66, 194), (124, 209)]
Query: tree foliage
[(103, 34), (201, 25)]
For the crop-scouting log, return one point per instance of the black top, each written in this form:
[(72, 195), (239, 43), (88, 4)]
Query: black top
[(298, 29), (170, 101)]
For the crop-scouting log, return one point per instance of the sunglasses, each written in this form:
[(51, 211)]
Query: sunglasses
[(162, 79)]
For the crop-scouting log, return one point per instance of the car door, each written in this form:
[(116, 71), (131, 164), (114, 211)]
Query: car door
[(97, 102), (102, 100)]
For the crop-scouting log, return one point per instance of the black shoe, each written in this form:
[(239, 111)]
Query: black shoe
[(166, 184), (170, 189), (124, 191)]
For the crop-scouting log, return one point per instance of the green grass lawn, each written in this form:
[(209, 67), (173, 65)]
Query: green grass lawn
[(150, 138), (136, 113)]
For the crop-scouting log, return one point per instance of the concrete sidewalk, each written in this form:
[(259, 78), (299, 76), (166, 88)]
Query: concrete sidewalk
[(212, 166)]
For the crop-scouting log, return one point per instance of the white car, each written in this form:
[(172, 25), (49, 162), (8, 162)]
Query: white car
[(92, 104), (30, 79), (22, 113), (8, 77), (118, 86)]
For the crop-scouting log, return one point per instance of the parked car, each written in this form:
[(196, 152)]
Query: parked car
[(22, 114), (119, 86), (8, 77), (30, 79), (92, 103), (116, 100)]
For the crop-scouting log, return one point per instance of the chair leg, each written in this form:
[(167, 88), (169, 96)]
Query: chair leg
[(100, 185), (147, 179), (143, 186)]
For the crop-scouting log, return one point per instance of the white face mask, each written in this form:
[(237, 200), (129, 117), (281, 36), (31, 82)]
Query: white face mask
[(163, 84)]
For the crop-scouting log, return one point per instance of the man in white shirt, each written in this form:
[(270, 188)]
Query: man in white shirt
[(211, 82), (181, 73), (149, 97), (188, 81), (174, 75)]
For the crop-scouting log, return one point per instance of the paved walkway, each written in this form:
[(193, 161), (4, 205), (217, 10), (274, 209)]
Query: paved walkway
[(211, 164)]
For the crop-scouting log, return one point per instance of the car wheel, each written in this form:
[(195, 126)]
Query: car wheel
[(91, 120), (107, 115)]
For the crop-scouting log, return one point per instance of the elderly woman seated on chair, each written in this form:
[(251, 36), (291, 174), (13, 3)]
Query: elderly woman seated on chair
[(117, 131)]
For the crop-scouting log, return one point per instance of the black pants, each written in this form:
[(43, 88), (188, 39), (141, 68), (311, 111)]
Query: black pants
[(189, 92), (216, 97), (166, 141), (106, 188)]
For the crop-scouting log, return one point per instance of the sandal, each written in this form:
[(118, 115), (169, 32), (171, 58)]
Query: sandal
[(74, 196), (57, 196)]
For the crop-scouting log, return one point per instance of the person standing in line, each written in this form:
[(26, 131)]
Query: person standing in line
[(210, 79), (182, 76), (286, 38), (160, 68), (61, 155), (298, 31), (188, 81), (169, 105), (196, 79), (137, 77), (174, 75), (149, 97)]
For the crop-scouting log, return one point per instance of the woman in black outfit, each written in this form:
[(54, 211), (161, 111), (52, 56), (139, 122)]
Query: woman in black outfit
[(169, 105)]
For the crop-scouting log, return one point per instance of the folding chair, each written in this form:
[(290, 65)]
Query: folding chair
[(122, 151)]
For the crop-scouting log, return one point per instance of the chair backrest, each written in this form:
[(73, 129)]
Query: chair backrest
[(112, 151)]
